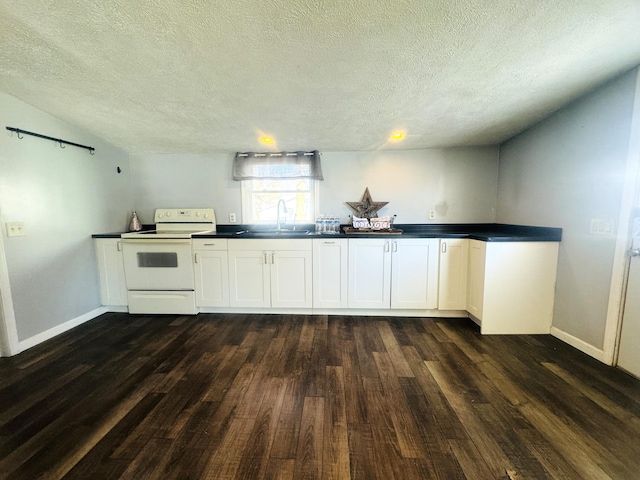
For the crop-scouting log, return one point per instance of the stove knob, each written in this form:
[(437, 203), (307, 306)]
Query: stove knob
[(197, 214), (168, 214), (206, 215)]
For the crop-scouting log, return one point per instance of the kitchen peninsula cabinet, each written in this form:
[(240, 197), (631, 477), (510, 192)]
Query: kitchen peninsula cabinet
[(511, 286), (452, 278), (113, 289), (330, 263), (390, 273), (270, 273), (211, 269)]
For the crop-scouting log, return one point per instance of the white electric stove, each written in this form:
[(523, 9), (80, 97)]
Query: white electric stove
[(158, 263)]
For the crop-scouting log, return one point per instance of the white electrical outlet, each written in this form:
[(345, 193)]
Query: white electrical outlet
[(15, 229), (432, 214), (232, 218)]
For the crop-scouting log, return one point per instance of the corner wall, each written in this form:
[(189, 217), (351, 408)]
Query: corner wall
[(62, 196), (563, 172)]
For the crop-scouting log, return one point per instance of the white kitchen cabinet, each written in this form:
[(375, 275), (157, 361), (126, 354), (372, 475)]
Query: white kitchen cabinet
[(475, 278), (330, 257), (113, 289), (389, 273), (270, 273), (452, 278), (511, 286), (369, 273), (211, 269)]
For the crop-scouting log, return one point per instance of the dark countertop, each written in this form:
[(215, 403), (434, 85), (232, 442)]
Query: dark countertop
[(487, 232)]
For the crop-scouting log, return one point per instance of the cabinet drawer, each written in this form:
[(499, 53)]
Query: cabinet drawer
[(210, 244)]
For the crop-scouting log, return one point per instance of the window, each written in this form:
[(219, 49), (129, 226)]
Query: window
[(268, 178), (260, 200)]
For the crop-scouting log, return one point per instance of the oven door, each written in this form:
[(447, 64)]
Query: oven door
[(158, 264)]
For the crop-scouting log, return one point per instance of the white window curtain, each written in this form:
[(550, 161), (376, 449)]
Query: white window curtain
[(251, 166)]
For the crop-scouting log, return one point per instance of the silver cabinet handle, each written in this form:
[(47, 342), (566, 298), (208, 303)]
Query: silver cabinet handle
[(119, 245), (195, 257), (273, 258), (265, 257), (395, 246), (634, 252), (386, 246), (444, 247), (328, 243)]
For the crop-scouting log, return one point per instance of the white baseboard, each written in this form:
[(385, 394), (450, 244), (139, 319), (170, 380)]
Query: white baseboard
[(58, 329), (581, 345)]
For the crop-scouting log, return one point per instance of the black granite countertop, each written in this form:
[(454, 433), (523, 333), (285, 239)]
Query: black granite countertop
[(487, 232)]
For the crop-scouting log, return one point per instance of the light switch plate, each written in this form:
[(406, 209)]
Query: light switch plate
[(602, 226), (15, 229)]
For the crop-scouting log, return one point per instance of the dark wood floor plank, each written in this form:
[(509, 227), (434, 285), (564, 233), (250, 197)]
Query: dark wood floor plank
[(255, 461), (226, 460), (392, 348), (496, 459), (248, 396), (310, 444)]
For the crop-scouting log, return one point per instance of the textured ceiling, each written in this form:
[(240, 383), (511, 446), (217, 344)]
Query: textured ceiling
[(334, 75)]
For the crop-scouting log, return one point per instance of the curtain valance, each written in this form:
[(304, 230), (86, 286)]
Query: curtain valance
[(251, 165)]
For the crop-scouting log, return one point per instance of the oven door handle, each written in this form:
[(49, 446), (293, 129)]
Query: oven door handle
[(157, 241)]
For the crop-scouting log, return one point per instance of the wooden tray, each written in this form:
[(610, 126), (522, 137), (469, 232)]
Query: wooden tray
[(369, 231)]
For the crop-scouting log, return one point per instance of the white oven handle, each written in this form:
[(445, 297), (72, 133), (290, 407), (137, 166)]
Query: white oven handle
[(157, 241)]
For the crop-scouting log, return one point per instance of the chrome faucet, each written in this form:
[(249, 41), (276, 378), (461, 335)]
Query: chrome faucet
[(284, 206)]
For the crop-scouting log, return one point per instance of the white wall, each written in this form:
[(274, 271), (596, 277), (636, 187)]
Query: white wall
[(564, 172), (62, 196), (460, 183)]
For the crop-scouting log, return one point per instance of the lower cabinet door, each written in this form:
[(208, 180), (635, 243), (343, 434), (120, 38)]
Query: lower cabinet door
[(369, 273), (475, 279), (113, 289), (414, 273), (291, 277), (454, 260), (212, 278), (330, 257), (249, 280)]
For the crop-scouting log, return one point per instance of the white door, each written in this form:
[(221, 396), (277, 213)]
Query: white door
[(369, 273), (454, 260), (475, 278), (330, 259), (212, 278), (291, 278), (414, 273), (113, 289), (629, 351), (249, 279)]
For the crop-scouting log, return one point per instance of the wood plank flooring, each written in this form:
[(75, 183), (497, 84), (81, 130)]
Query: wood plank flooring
[(312, 397)]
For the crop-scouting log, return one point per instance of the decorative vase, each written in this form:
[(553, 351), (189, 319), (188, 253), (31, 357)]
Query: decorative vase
[(135, 225)]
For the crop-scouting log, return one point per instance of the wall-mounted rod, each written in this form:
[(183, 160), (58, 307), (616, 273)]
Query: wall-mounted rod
[(59, 140), (278, 154)]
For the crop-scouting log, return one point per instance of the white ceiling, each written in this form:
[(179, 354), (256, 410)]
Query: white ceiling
[(334, 75)]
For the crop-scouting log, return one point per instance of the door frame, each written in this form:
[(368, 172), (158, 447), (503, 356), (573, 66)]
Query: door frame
[(9, 344), (628, 206)]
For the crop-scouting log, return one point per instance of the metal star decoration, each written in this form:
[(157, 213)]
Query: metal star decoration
[(366, 207)]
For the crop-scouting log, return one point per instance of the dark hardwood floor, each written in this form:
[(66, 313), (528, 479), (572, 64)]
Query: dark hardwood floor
[(297, 397)]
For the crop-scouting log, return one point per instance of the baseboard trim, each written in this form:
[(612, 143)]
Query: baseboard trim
[(581, 345), (58, 329)]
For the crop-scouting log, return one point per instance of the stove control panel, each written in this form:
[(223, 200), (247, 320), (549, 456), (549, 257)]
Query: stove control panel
[(184, 215)]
